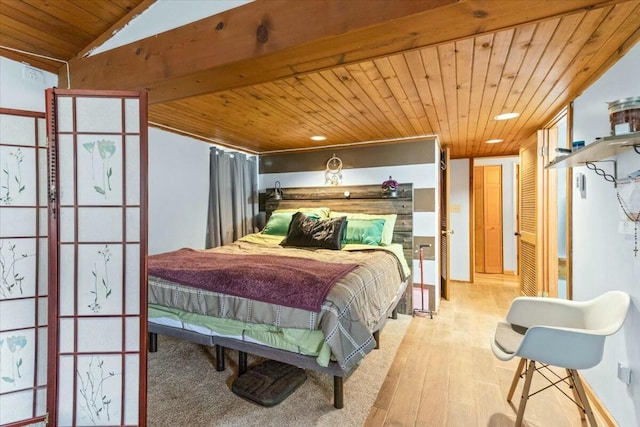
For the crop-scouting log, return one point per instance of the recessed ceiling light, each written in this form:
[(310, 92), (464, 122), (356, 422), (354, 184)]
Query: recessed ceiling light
[(493, 141), (506, 116), (318, 138)]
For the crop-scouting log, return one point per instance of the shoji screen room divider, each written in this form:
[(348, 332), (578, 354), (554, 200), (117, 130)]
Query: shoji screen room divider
[(95, 258), (23, 266)]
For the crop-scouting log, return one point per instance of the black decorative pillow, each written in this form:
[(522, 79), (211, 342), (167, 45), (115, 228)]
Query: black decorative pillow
[(309, 232)]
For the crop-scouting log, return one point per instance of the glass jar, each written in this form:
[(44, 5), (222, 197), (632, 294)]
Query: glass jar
[(624, 115)]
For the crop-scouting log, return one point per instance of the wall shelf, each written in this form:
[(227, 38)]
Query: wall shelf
[(598, 150)]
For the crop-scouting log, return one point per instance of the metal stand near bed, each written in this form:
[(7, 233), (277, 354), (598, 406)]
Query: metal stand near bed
[(422, 309), (244, 348)]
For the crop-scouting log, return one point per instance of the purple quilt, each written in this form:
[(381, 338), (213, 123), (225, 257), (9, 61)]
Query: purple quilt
[(289, 281)]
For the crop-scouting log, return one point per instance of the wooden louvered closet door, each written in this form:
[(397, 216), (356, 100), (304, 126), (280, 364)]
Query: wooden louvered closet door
[(530, 216), (445, 232)]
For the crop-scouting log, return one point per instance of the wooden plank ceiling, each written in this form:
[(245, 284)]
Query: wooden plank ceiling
[(440, 80)]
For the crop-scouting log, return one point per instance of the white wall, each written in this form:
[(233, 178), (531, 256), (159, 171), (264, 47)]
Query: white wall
[(459, 217), (603, 259), (22, 94), (154, 20), (178, 191), (509, 188)]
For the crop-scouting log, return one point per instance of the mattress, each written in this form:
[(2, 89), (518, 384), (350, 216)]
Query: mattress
[(300, 341)]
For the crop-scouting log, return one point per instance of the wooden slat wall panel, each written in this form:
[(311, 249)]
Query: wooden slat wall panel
[(432, 70), (452, 88), (481, 55), (417, 110), (447, 60), (547, 44), (59, 29), (363, 199), (543, 55), (514, 66), (419, 78), (411, 93), (614, 22), (464, 75), (487, 109)]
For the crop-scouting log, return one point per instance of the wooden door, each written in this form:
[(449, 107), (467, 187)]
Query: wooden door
[(445, 231), (517, 232), (556, 211), (478, 218), (551, 265), (97, 257), (529, 243), (492, 225), (487, 184)]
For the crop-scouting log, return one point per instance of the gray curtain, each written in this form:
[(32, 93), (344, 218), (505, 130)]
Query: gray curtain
[(233, 197)]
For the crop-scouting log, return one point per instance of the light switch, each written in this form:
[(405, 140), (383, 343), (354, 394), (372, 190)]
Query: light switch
[(624, 373)]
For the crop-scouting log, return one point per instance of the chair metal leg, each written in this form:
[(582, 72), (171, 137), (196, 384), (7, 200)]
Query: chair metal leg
[(516, 378), (583, 397), (525, 393), (576, 397)]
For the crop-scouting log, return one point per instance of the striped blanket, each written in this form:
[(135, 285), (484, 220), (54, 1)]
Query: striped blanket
[(351, 309)]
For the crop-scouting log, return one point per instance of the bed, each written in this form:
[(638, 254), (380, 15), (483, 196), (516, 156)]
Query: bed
[(343, 294)]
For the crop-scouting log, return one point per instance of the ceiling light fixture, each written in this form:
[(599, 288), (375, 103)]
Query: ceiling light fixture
[(318, 138), (493, 141), (506, 116)]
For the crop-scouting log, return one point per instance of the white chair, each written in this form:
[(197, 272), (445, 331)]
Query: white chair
[(557, 332)]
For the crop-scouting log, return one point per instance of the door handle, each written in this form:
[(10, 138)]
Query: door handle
[(517, 233), (445, 232)]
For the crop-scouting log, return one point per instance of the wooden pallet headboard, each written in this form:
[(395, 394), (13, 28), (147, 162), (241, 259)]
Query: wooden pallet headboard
[(362, 199)]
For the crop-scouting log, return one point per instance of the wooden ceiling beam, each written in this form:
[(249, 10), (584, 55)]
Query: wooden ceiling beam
[(273, 39)]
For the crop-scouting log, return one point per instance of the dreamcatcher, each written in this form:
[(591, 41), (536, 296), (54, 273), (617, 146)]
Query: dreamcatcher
[(333, 172)]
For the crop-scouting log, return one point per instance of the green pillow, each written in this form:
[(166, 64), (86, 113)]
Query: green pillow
[(278, 223), (364, 231), (389, 224)]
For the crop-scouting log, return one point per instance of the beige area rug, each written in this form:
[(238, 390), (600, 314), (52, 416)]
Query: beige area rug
[(184, 388)]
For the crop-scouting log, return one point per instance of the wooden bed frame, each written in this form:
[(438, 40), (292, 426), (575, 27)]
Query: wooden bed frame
[(361, 199)]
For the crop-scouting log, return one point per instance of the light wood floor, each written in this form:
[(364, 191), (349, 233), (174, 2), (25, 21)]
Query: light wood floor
[(445, 373)]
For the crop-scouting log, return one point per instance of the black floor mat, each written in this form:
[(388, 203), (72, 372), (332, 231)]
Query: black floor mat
[(269, 383)]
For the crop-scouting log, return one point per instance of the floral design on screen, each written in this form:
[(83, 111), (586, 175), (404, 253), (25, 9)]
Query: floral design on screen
[(100, 277), (95, 399), (11, 277), (14, 344), (12, 177), (101, 152)]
